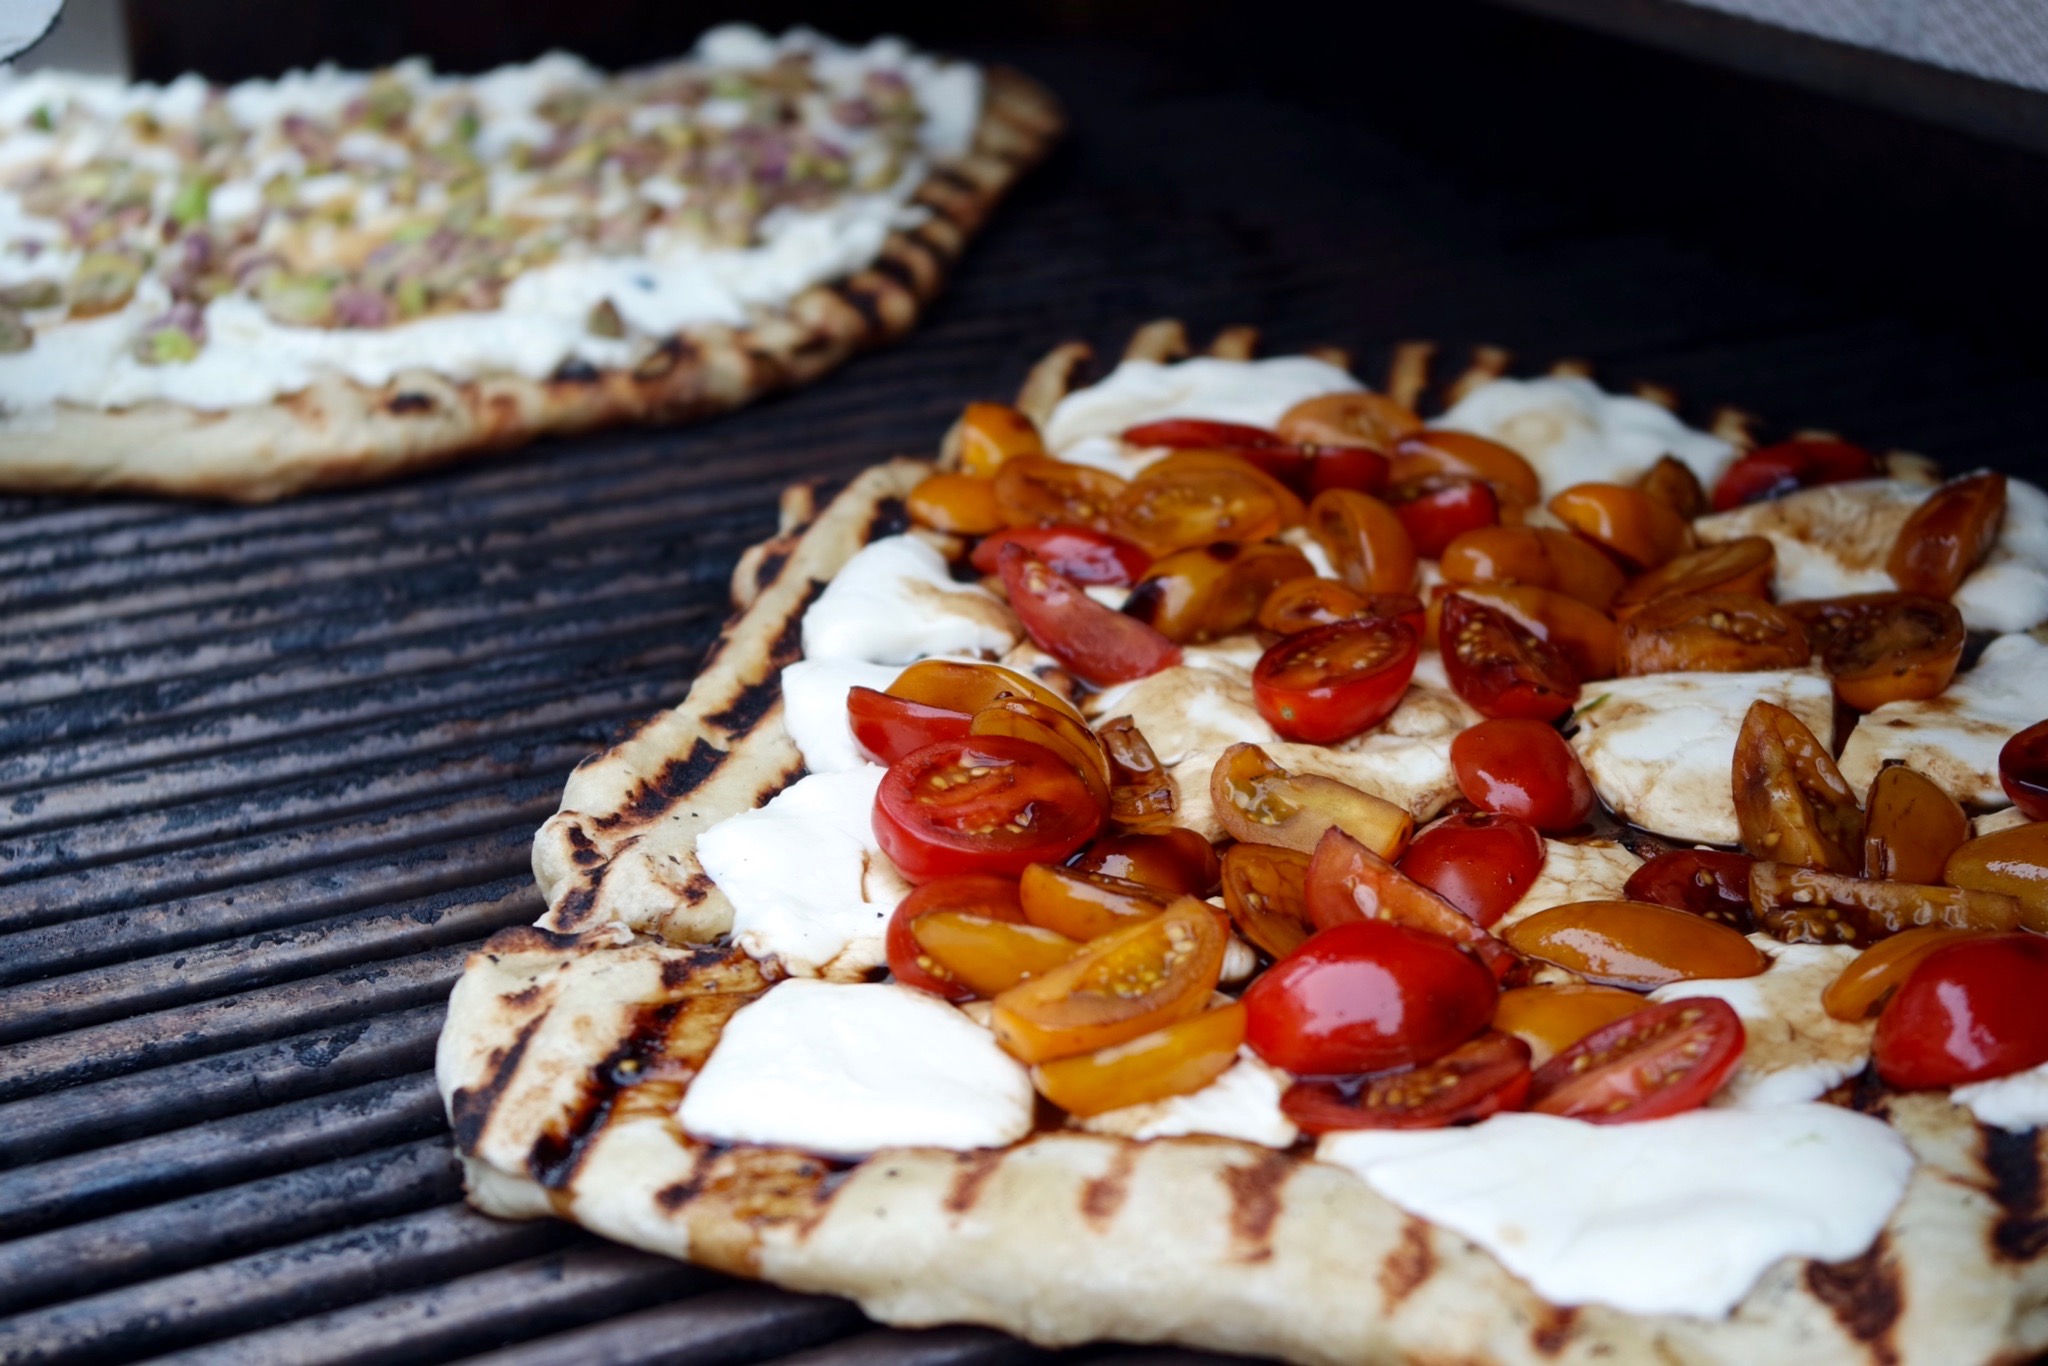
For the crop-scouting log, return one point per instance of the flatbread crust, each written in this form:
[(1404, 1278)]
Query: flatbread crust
[(569, 1046), (341, 432)]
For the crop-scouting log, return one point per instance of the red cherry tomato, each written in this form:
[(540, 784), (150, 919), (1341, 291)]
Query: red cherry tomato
[(986, 804), (1661, 1061), (1969, 1012), (1100, 645), (886, 728), (1184, 433), (1348, 882), (1775, 471), (1708, 882), (1332, 682), (1175, 860), (1344, 467), (2023, 771), (992, 898), (1480, 862), (1438, 510), (1470, 1082), (1365, 997), (1082, 555), (1523, 769), (1501, 669)]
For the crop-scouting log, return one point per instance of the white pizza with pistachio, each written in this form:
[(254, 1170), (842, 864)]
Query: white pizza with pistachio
[(1489, 845)]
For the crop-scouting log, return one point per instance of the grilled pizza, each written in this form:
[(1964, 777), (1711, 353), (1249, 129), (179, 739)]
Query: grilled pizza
[(248, 291), (1483, 871)]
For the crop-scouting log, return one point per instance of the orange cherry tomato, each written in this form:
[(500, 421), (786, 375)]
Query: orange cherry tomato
[(1634, 944), (1884, 647), (1179, 861), (1523, 769), (1190, 462), (1347, 882), (1481, 1077), (1949, 535), (958, 686), (1712, 633), (1264, 890), (1438, 509), (2023, 770), (1869, 981), (1036, 490), (1789, 466), (990, 433), (1746, 565), (1813, 906), (1970, 1012), (1364, 539), (1671, 482), (1025, 718), (1533, 555), (1333, 682), (988, 898), (1550, 1019), (1910, 827), (1141, 793), (1662, 1060), (1711, 883), (1213, 590), (988, 956), (1303, 604), (1120, 987), (1350, 419), (1479, 862), (1168, 510), (1259, 802), (1791, 803), (1629, 522), (1099, 645), (1174, 1061), (1587, 637), (887, 727), (1085, 906), (1435, 451), (2011, 862), (1500, 669), (1082, 555), (986, 804), (963, 504)]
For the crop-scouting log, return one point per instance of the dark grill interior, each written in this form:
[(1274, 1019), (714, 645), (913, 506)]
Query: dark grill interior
[(267, 774)]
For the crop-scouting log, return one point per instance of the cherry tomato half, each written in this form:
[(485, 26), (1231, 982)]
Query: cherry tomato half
[(1259, 802), (1552, 1018), (1213, 590), (1637, 529), (1439, 509), (1479, 862), (963, 504), (990, 433), (1082, 555), (1745, 565), (1182, 1057), (2023, 771), (1348, 882), (1789, 466), (1791, 803), (1971, 1011), (1365, 997), (1179, 861), (1122, 986), (1197, 502), (1708, 882), (1523, 769), (977, 894), (1349, 419), (1435, 451), (1634, 944), (886, 727), (1586, 636), (1538, 556), (1868, 982), (1365, 540), (1910, 827), (1189, 433), (1500, 669), (1265, 892), (986, 804), (1661, 1061), (1949, 535), (1474, 1080), (1336, 681), (1712, 633), (1304, 604), (1100, 645), (1085, 906), (1036, 490), (1884, 647)]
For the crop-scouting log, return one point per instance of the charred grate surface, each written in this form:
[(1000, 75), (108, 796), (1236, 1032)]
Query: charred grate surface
[(266, 774)]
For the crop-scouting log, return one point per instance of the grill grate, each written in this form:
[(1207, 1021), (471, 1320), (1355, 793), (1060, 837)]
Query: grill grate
[(266, 774)]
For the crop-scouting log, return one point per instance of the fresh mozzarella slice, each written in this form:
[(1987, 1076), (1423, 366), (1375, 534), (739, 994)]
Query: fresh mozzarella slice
[(894, 602), (1110, 595), (1243, 1103), (1796, 1051), (1658, 1217), (2003, 819), (1574, 870), (1661, 749), (1955, 738), (846, 1068), (1573, 431), (814, 708), (809, 886), (2017, 1102)]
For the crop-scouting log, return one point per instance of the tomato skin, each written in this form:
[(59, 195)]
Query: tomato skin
[(1343, 467), (1438, 511), (1523, 769), (1368, 666), (1080, 554), (1744, 565), (1708, 882), (1100, 645), (1949, 535), (1196, 433), (1123, 985), (1661, 1061), (886, 728), (1348, 419), (1500, 669), (1176, 860), (1347, 882), (1365, 997), (1472, 1081), (1435, 451), (1213, 590), (1773, 471), (975, 893), (931, 833), (1712, 633), (1173, 1061), (2023, 771), (988, 434), (1480, 862), (1884, 647), (1971, 1011), (963, 504)]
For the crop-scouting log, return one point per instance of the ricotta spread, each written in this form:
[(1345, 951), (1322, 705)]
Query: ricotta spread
[(1651, 1218), (1572, 431), (846, 1068), (2017, 1102), (894, 603), (1796, 1051), (814, 708), (1574, 870), (1243, 1103), (1954, 739)]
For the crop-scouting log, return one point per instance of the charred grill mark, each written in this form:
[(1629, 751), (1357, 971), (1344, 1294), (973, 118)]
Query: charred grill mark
[(583, 850), (891, 517), (409, 402), (677, 973), (2013, 1161), (748, 708), (660, 360), (968, 1179), (677, 779), (1408, 1265), (1864, 1296), (1866, 1095), (933, 243), (1104, 1195), (1554, 1333), (770, 568), (946, 175), (789, 641), (573, 371), (891, 268), (862, 303), (523, 997), (531, 939), (673, 1197), (696, 889), (555, 1156), (469, 1110), (1255, 1203), (580, 904)]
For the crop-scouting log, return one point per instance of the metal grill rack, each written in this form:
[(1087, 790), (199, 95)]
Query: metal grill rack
[(267, 774)]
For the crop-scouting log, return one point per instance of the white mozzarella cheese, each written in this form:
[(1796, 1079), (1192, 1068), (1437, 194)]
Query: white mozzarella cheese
[(814, 708), (894, 602), (1243, 1103), (2005, 818), (2017, 1102), (2009, 591), (846, 1068), (809, 886), (1796, 1051), (1954, 739), (1661, 749), (1572, 431), (1649, 1218), (1312, 551), (1587, 870)]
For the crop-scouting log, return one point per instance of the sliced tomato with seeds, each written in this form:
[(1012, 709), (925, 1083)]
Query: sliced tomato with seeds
[(2023, 770), (1969, 1012), (1523, 769), (1025, 718), (1176, 860), (1265, 892), (1085, 906), (1100, 645), (1364, 539), (1476, 1079), (1348, 419), (1259, 802), (1213, 590), (1348, 882), (1802, 905), (988, 434), (1805, 462), (1304, 604), (1587, 637), (966, 687), (1791, 803), (1745, 565), (1120, 987), (1712, 883), (1661, 1061), (1436, 451), (1141, 791), (1628, 523), (1174, 1061), (1333, 682), (1438, 510), (988, 956), (1553, 1017), (986, 804), (1080, 554), (1479, 862), (1500, 669), (1712, 633), (1192, 433), (1949, 535), (1884, 647), (1196, 503), (1535, 555), (990, 898), (1036, 490), (886, 727)]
